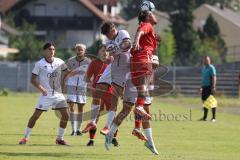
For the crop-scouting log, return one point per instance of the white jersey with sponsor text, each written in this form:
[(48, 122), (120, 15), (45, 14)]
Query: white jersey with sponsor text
[(49, 74), (121, 35)]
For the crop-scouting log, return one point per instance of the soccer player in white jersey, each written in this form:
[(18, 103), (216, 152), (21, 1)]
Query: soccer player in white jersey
[(77, 86), (117, 44), (49, 71)]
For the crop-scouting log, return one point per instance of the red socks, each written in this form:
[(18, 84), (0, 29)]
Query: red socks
[(140, 101)]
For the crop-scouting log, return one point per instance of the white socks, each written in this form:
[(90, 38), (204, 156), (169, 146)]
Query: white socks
[(28, 132), (94, 112), (113, 129), (110, 118), (148, 134), (79, 120), (61, 133)]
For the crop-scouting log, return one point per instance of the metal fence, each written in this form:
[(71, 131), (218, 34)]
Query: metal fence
[(16, 76), (185, 80)]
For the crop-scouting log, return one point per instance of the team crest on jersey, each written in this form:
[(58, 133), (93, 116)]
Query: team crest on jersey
[(45, 67)]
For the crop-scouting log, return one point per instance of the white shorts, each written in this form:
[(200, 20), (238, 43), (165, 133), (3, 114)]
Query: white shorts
[(77, 99), (130, 94), (106, 76), (57, 101)]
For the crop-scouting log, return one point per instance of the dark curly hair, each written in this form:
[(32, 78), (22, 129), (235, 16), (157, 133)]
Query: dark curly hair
[(106, 27)]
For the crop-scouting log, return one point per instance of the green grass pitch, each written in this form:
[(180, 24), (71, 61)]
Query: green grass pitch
[(183, 138)]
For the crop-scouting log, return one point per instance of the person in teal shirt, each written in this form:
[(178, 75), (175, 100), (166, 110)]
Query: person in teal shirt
[(208, 88)]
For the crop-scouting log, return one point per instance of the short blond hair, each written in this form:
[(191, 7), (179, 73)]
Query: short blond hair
[(81, 45)]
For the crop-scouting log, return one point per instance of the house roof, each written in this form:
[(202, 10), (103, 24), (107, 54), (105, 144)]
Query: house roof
[(226, 13), (5, 5), (9, 29)]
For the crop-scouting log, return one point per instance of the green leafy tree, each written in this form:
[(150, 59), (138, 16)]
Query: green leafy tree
[(211, 27), (167, 48), (64, 54), (93, 49), (208, 48), (213, 2), (130, 8), (29, 46), (185, 36), (212, 36)]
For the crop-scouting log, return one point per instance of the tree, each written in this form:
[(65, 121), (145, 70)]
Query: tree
[(93, 49), (165, 5), (130, 8), (211, 27), (213, 2), (184, 34), (65, 53), (207, 48), (167, 48), (212, 36), (27, 43)]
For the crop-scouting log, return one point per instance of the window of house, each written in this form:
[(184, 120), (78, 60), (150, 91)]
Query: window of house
[(40, 9)]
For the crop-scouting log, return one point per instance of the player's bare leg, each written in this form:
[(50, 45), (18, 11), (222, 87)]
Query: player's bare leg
[(79, 118), (72, 118), (142, 93), (116, 93), (101, 88), (62, 126), (37, 113)]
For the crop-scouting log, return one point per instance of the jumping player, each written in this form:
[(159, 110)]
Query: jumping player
[(118, 45), (141, 71)]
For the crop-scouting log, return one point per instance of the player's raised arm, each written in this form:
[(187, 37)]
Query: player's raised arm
[(139, 34), (143, 28)]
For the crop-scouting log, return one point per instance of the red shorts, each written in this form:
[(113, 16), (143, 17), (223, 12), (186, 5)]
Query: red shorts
[(106, 100), (140, 66)]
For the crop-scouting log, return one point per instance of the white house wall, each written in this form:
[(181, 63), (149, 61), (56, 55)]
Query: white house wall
[(85, 37), (59, 8)]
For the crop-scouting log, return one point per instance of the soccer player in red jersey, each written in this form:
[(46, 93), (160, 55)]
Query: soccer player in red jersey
[(142, 50), (144, 46), (141, 72), (94, 72)]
